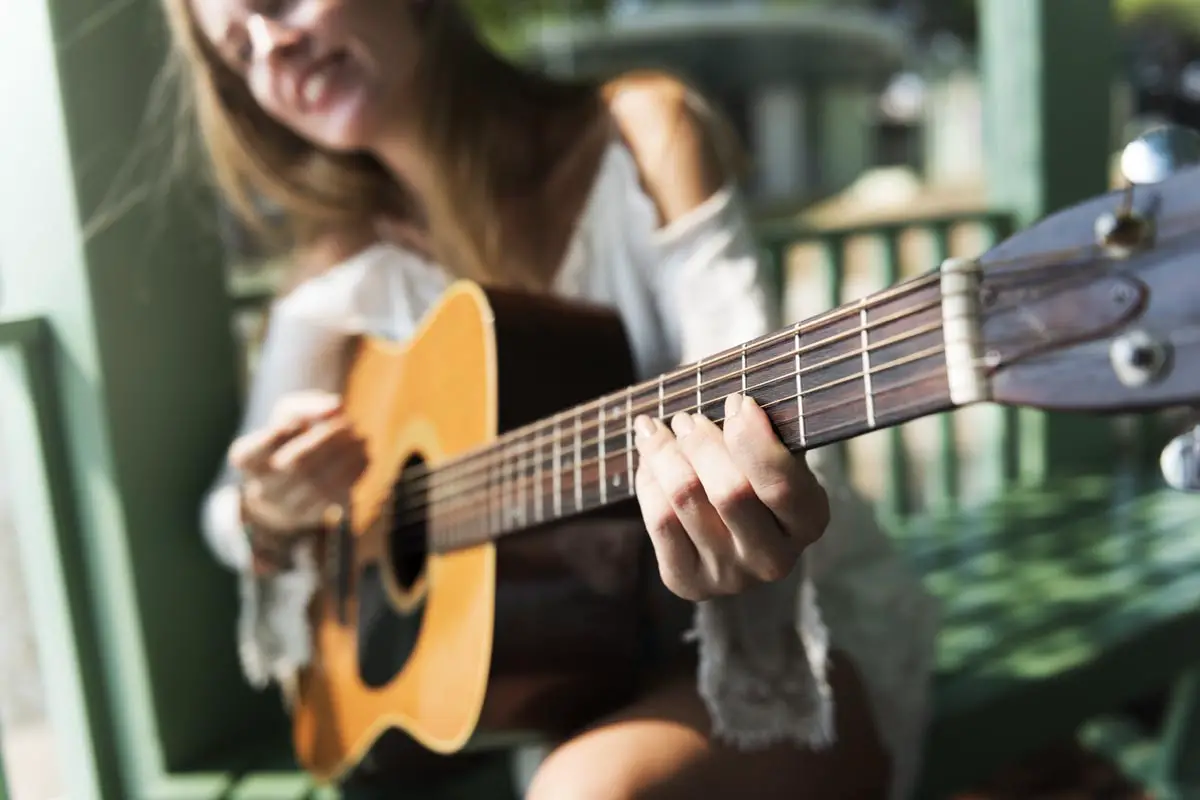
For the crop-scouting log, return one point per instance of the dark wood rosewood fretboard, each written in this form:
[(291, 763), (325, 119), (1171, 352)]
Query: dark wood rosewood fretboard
[(867, 365)]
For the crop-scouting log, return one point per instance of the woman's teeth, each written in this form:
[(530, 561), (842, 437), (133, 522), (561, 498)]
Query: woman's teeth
[(314, 87)]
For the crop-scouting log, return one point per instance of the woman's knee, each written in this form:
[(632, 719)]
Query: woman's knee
[(596, 769), (569, 779), (660, 748)]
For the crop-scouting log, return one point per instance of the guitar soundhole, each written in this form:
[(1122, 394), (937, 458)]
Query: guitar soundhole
[(389, 621), (409, 534)]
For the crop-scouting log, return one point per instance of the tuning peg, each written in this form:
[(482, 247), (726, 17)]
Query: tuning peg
[(1154, 156), (1159, 153)]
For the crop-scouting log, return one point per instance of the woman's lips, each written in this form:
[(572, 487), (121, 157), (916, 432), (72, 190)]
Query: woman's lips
[(318, 85)]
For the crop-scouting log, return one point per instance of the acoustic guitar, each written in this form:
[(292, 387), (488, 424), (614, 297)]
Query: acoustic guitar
[(498, 505)]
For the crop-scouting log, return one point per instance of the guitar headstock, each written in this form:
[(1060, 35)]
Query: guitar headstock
[(1097, 307)]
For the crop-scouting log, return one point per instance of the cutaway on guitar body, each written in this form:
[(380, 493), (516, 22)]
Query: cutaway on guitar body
[(485, 638)]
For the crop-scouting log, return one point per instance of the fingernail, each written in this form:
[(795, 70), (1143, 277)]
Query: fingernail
[(733, 402), (644, 426), (682, 424)]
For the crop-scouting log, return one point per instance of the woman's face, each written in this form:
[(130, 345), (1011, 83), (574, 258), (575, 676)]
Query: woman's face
[(334, 71)]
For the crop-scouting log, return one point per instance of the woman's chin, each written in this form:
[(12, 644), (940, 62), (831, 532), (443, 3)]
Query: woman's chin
[(343, 129), (340, 142)]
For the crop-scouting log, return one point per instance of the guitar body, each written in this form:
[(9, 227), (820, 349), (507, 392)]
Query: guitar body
[(533, 634)]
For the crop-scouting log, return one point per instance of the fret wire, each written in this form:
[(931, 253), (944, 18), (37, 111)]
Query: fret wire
[(603, 459), (515, 515), (578, 468), (522, 516), (699, 384), (927, 353), (800, 393), (661, 378), (557, 469), (629, 441), (743, 368), (866, 365), (537, 471)]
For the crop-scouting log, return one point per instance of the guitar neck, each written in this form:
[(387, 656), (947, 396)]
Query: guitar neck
[(867, 365)]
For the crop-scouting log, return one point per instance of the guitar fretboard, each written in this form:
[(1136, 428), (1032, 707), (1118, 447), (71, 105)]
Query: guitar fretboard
[(865, 366)]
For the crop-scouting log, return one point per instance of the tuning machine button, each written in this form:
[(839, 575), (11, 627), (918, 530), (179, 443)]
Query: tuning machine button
[(1159, 153), (1139, 359), (1151, 158), (1180, 461)]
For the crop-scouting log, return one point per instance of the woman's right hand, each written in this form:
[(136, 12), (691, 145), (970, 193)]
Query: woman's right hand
[(301, 463)]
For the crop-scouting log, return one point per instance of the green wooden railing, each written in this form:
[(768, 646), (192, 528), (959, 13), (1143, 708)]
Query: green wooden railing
[(812, 270)]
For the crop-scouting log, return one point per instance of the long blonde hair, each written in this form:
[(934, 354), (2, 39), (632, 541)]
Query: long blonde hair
[(468, 98)]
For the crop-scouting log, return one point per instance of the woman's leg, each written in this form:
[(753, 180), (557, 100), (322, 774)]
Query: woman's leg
[(659, 747)]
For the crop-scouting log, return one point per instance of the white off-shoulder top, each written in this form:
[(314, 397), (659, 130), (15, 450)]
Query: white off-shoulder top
[(683, 291)]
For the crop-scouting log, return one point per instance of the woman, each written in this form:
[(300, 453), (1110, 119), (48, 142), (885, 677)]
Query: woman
[(403, 152)]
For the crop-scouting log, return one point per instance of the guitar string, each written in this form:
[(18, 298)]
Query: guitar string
[(464, 494), (530, 443), (721, 358), (620, 427), (524, 441), (484, 457), (495, 484), (412, 541)]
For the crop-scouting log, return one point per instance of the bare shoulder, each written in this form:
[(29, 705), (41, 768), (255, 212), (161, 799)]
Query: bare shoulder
[(678, 144)]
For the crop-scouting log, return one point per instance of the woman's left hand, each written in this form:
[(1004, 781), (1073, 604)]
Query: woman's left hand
[(725, 509)]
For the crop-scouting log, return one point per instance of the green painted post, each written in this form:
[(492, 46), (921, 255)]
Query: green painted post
[(1047, 70), (147, 367)]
